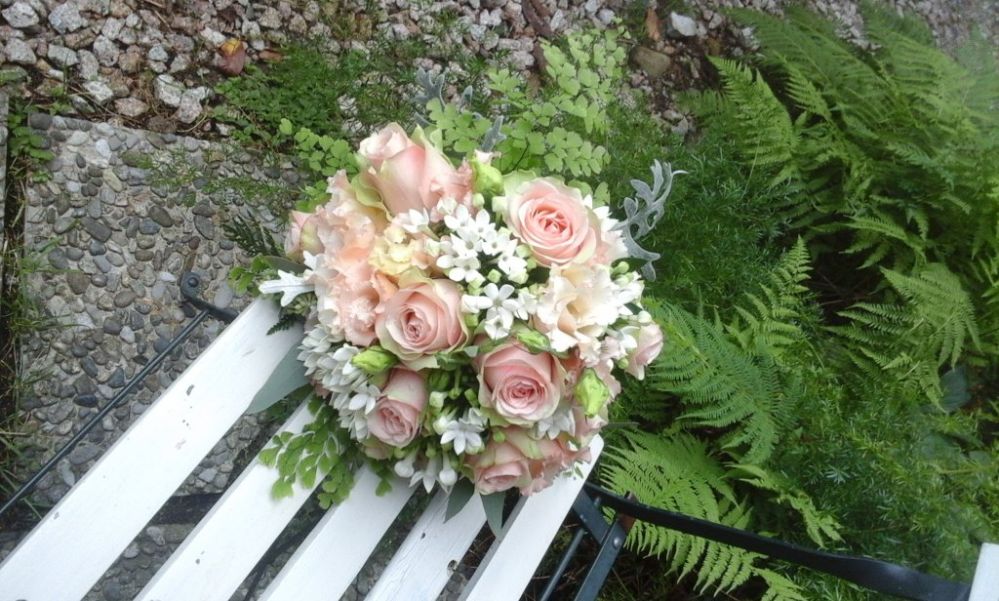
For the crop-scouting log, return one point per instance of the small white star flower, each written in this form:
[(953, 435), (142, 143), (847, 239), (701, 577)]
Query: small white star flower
[(465, 434), (559, 422), (413, 221)]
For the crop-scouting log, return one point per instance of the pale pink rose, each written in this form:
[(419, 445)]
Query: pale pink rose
[(422, 318), (554, 457), (650, 343), (384, 144), (587, 427), (519, 386), (302, 235), (395, 420), (554, 222), (501, 466), (411, 173)]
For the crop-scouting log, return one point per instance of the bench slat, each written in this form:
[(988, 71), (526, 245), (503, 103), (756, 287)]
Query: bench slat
[(421, 567), (331, 556), (223, 548), (513, 558), (66, 554), (985, 587)]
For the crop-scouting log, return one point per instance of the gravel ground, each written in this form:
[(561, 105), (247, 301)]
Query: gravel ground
[(154, 62)]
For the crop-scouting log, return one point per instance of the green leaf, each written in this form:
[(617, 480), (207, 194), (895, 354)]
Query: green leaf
[(282, 489), (287, 378), (955, 389), (493, 506), (284, 264), (459, 497), (269, 456)]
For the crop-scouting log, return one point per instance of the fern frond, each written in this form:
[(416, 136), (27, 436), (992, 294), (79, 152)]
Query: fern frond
[(820, 526), (769, 324), (757, 120), (674, 471), (941, 309), (930, 328), (721, 386), (780, 588)]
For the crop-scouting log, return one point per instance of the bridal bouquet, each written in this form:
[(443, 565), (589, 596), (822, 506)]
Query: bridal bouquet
[(461, 323)]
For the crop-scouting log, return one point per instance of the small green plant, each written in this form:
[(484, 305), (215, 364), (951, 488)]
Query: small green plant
[(330, 95), (26, 149), (553, 129)]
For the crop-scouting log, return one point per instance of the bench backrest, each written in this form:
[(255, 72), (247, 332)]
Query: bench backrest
[(80, 538)]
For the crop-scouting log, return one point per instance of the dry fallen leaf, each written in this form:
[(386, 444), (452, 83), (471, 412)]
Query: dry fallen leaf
[(653, 25), (270, 56), (233, 53)]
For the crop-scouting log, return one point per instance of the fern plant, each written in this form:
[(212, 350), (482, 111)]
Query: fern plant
[(722, 388), (892, 147), (928, 329), (674, 471)]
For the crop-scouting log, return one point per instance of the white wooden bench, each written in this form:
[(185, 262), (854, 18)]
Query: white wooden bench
[(82, 536)]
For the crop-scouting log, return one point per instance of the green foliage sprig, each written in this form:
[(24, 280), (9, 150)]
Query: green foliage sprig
[(554, 128), (322, 452)]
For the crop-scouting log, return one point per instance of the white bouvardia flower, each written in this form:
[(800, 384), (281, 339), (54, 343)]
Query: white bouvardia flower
[(428, 475), (501, 307), (465, 434), (560, 421)]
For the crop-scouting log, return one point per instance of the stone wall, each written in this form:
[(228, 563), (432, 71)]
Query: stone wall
[(120, 215)]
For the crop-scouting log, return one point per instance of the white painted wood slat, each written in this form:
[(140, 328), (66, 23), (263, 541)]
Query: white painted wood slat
[(335, 551), (511, 561), (223, 548), (985, 586), (420, 569), (65, 555)]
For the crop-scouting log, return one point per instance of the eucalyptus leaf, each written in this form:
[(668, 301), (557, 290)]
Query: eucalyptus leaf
[(493, 506), (459, 497), (287, 377), (283, 264)]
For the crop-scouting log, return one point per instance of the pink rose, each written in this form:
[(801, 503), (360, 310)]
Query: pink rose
[(395, 420), (650, 343), (552, 219), (501, 466), (587, 427), (410, 173), (422, 318), (385, 144), (553, 458), (302, 235), (519, 386)]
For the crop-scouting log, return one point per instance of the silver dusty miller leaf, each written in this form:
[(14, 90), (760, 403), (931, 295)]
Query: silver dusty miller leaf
[(644, 212), (432, 88)]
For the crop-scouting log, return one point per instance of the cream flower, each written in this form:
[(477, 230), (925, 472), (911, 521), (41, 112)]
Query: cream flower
[(576, 307)]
